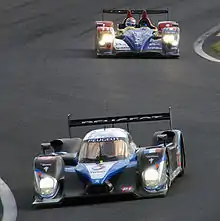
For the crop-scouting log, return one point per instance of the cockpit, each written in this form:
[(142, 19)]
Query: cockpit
[(103, 149)]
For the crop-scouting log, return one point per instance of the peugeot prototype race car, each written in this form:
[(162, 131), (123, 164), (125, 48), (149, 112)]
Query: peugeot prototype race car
[(107, 161), (141, 38)]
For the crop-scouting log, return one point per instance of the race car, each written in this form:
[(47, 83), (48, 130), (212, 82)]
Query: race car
[(107, 161), (139, 39)]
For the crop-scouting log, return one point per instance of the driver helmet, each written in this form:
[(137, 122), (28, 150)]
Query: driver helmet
[(144, 23), (131, 22)]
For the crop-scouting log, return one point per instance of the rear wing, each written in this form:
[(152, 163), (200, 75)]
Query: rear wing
[(135, 11), (120, 119)]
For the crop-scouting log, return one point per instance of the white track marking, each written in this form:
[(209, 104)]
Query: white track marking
[(199, 42), (8, 202)]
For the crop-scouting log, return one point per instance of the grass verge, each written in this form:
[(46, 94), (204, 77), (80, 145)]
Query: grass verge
[(216, 47)]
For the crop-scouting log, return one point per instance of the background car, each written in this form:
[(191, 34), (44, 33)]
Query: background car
[(112, 40)]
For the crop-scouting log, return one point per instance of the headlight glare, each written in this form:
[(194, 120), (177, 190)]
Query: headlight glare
[(170, 39), (106, 38), (151, 175), (47, 185)]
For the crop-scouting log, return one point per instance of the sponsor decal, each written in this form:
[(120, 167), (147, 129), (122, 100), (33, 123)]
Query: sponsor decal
[(169, 30), (69, 169), (127, 188), (155, 44), (46, 169), (98, 171), (122, 119), (150, 151), (46, 157), (45, 164), (121, 46), (154, 48), (150, 156), (119, 43), (98, 167), (103, 139), (179, 159), (151, 160)]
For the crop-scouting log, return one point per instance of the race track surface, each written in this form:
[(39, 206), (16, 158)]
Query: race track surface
[(48, 70)]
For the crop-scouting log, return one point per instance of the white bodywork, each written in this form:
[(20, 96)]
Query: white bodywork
[(106, 133), (120, 45)]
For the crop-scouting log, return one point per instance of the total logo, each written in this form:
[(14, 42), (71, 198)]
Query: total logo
[(98, 167)]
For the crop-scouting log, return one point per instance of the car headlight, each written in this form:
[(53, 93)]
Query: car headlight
[(47, 185), (151, 177), (170, 39), (106, 38)]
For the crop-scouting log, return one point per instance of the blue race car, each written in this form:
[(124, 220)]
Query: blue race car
[(107, 161), (142, 38)]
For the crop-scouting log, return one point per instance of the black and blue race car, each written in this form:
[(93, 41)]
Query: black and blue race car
[(141, 39), (107, 161)]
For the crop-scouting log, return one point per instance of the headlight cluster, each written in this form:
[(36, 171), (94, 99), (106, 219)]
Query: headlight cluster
[(153, 177), (106, 38), (46, 184), (171, 39)]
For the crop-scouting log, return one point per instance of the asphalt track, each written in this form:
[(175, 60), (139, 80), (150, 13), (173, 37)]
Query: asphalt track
[(48, 70)]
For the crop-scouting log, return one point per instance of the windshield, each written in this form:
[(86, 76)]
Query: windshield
[(100, 150)]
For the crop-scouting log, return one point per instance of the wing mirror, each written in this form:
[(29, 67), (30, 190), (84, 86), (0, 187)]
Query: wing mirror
[(46, 148), (162, 138)]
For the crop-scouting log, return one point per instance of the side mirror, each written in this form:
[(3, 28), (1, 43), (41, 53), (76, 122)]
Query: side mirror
[(46, 147), (162, 137)]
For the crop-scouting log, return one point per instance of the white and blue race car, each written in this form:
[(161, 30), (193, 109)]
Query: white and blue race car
[(141, 40), (108, 161)]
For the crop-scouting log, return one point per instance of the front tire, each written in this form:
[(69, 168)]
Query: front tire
[(168, 183), (183, 159)]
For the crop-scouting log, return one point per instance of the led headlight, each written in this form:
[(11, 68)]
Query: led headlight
[(47, 185), (170, 39), (151, 177), (106, 38)]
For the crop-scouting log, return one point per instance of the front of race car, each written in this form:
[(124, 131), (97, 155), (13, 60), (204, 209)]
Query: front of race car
[(147, 41), (153, 171), (103, 166), (106, 166), (48, 176)]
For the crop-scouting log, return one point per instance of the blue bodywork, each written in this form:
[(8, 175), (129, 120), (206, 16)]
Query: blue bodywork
[(144, 41), (140, 40), (117, 167)]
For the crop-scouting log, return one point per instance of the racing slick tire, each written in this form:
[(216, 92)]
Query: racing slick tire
[(183, 157), (168, 184)]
